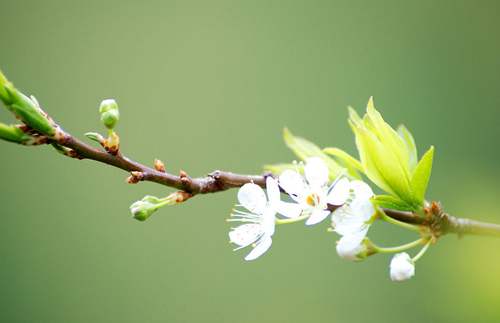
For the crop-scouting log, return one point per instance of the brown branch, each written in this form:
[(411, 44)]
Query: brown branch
[(215, 182)]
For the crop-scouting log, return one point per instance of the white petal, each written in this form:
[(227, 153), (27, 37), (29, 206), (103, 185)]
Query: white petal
[(349, 246), (289, 210), (361, 190), (317, 216), (292, 182), (273, 191), (401, 267), (269, 221), (345, 222), (245, 234), (364, 210), (316, 172), (262, 246), (340, 192), (252, 197)]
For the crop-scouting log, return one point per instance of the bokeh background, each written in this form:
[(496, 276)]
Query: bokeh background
[(210, 84)]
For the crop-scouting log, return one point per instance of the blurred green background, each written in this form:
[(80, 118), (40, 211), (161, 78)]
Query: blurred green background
[(210, 84)]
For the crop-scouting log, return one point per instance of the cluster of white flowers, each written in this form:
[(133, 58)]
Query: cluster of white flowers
[(347, 202)]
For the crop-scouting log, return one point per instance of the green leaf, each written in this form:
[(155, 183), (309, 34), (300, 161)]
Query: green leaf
[(13, 134), (380, 165), (396, 147), (277, 169), (406, 135), (353, 165), (304, 149), (3, 83), (421, 175), (392, 202), (26, 109)]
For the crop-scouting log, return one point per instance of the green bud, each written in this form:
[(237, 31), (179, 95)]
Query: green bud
[(143, 209), (24, 108), (109, 113), (13, 134)]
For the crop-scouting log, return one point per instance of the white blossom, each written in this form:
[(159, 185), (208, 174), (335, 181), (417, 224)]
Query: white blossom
[(351, 219), (259, 218), (402, 267), (311, 193), (357, 209)]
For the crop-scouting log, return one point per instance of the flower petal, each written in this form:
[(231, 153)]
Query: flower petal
[(273, 190), (363, 210), (262, 246), (292, 182), (316, 172), (252, 197), (346, 222), (289, 210), (361, 191), (349, 246), (269, 221), (339, 193), (246, 234), (317, 216)]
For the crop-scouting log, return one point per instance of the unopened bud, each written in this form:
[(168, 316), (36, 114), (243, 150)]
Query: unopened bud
[(109, 113), (143, 209), (402, 267), (135, 177), (159, 165)]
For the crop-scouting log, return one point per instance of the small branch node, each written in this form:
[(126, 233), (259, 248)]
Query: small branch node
[(159, 166), (135, 177)]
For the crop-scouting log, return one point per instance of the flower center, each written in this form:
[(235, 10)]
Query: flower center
[(312, 199)]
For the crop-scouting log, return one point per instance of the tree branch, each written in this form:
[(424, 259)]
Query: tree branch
[(215, 182)]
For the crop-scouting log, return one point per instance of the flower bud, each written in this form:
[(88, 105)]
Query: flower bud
[(402, 267), (143, 209), (109, 113)]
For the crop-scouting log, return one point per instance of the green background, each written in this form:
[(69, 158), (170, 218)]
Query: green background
[(210, 84)]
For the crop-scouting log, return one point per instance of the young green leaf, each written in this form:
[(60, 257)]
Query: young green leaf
[(421, 175), (354, 167), (277, 169), (392, 202), (304, 149), (406, 135), (13, 134)]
